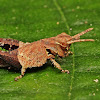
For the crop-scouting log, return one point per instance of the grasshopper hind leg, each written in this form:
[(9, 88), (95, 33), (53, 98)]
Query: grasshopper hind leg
[(22, 74)]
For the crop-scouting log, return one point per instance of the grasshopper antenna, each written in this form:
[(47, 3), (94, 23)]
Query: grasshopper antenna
[(80, 40), (77, 36)]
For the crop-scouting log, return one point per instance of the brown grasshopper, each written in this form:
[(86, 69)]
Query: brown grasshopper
[(27, 55)]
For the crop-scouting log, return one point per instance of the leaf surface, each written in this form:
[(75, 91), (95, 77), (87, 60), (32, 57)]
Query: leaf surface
[(31, 20)]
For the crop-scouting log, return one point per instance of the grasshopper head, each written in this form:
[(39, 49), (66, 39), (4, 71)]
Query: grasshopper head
[(66, 40)]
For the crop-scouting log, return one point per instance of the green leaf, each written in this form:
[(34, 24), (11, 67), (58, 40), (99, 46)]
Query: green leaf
[(31, 20)]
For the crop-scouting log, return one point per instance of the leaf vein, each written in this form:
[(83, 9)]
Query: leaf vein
[(73, 66)]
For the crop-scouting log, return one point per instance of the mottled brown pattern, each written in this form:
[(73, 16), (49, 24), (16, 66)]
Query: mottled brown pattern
[(32, 55), (35, 54)]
